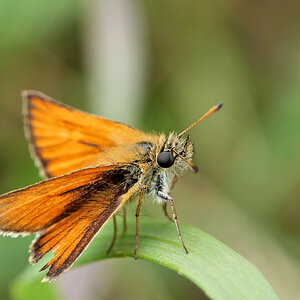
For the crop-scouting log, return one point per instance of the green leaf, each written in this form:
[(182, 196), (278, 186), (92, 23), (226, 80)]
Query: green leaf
[(218, 270)]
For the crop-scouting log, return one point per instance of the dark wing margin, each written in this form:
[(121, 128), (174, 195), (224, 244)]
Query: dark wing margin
[(67, 211)]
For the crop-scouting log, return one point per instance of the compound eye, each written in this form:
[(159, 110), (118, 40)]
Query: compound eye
[(165, 159)]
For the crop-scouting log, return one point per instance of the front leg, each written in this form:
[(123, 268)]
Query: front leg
[(164, 204), (164, 207), (170, 199)]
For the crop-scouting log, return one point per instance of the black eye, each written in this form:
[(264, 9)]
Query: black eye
[(165, 159)]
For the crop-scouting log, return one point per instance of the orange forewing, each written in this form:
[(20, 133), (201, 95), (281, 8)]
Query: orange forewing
[(65, 139), (67, 211)]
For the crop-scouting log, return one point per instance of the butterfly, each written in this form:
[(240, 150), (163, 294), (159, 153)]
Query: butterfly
[(92, 166)]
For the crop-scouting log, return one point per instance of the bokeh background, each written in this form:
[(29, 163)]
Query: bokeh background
[(159, 65)]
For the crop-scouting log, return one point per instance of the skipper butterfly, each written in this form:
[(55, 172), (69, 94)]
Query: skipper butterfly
[(92, 166)]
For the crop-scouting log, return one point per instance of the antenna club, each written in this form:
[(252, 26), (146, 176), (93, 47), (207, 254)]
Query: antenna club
[(219, 105), (212, 110)]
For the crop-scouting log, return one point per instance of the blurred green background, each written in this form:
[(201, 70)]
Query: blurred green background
[(159, 65)]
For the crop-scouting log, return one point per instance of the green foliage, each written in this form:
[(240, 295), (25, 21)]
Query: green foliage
[(33, 20), (196, 54), (218, 270)]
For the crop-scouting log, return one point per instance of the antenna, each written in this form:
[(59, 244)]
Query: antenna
[(190, 164), (212, 110)]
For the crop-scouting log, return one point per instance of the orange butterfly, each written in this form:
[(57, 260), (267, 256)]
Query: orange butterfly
[(94, 166)]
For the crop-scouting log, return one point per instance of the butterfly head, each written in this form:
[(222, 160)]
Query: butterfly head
[(176, 153), (179, 150)]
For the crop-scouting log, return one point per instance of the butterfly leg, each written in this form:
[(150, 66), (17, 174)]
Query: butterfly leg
[(137, 214), (114, 236), (164, 204), (124, 220), (170, 199), (164, 207)]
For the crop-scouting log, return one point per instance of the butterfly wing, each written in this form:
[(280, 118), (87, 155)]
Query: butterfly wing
[(64, 139), (67, 211)]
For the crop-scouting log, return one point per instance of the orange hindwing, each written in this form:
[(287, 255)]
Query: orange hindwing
[(67, 211)]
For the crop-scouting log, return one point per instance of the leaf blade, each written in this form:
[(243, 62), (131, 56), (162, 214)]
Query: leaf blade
[(215, 268)]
